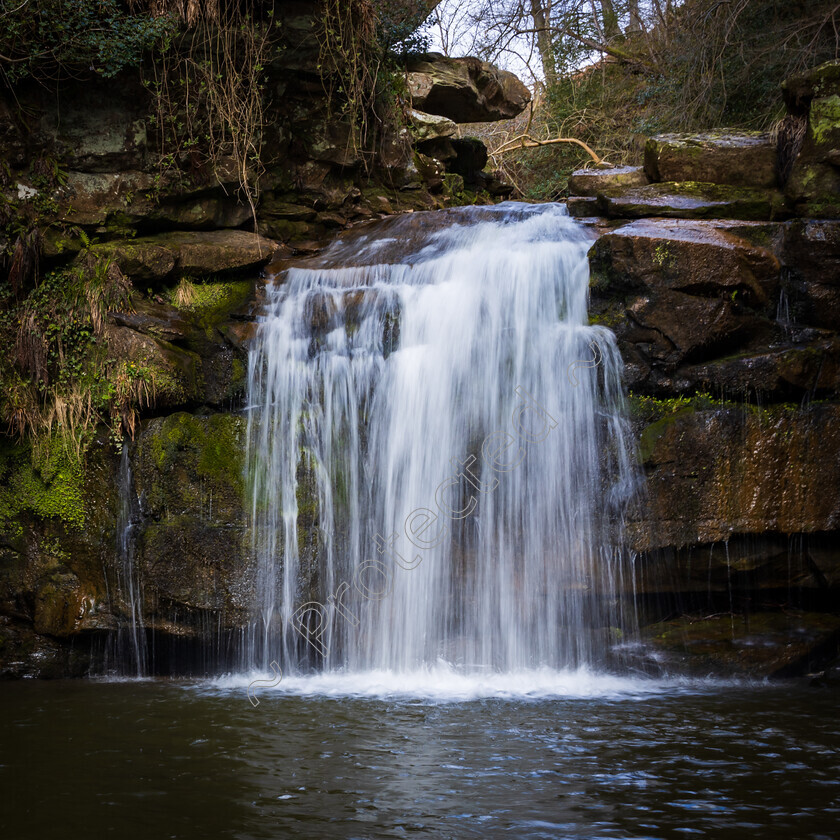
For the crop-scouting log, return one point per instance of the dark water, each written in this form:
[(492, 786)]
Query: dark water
[(172, 760)]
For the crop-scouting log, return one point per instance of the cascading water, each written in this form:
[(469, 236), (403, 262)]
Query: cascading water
[(434, 385)]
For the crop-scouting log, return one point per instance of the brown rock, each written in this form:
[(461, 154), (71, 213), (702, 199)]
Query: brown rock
[(590, 182), (688, 256), (465, 89), (737, 159)]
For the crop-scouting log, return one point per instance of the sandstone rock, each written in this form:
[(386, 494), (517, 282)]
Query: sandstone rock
[(465, 89), (441, 149), (811, 369), (173, 374), (685, 328), (192, 551), (140, 259), (778, 644), (471, 158), (158, 320), (687, 256), (719, 472), (589, 182), (583, 207), (691, 200), (736, 159), (426, 127), (431, 171), (814, 182), (194, 253)]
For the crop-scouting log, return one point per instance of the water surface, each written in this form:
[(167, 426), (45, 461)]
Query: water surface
[(609, 758)]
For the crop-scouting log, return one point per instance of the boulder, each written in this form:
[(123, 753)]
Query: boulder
[(737, 159), (590, 182), (822, 81), (693, 200), (465, 89), (194, 253), (687, 256), (470, 158), (430, 126)]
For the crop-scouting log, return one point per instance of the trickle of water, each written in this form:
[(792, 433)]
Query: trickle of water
[(128, 653), (434, 384)]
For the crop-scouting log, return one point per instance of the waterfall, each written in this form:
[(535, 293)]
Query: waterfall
[(126, 652), (438, 460)]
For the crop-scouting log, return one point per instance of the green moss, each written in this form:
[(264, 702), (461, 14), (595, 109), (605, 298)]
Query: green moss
[(212, 446), (47, 482), (209, 301), (825, 118)]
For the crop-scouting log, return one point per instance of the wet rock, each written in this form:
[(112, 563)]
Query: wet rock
[(683, 327), (811, 251), (811, 369), (715, 473), (737, 159), (693, 200), (465, 89), (192, 550), (688, 256), (778, 644), (590, 182)]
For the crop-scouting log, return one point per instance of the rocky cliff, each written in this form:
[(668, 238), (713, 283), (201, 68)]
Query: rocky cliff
[(716, 264), (717, 268)]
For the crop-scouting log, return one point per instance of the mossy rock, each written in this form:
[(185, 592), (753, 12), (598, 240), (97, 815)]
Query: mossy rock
[(765, 644), (736, 158), (694, 200), (190, 464)]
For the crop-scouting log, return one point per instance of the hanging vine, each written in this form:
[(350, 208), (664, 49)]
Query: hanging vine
[(209, 96)]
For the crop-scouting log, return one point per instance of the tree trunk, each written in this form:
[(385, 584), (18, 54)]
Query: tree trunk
[(540, 14), (612, 30), (634, 27)]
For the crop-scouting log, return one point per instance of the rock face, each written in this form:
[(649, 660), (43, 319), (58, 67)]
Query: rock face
[(714, 474), (814, 182), (465, 89), (737, 159)]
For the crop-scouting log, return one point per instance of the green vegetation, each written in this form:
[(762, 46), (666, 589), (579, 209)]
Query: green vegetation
[(52, 39), (214, 445), (207, 300), (698, 65)]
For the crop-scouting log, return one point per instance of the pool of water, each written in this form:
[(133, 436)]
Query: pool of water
[(367, 756)]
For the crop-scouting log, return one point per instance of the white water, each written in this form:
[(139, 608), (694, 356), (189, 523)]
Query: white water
[(386, 368)]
